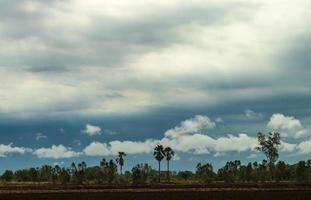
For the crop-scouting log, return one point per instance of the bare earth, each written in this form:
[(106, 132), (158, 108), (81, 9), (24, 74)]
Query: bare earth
[(253, 192)]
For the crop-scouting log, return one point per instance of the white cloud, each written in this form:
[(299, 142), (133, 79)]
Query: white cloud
[(176, 157), (287, 147), (59, 163), (193, 125), (92, 130), (239, 143), (219, 154), (252, 114), (252, 156), (188, 137), (40, 136), (10, 149), (304, 147), (197, 143), (132, 147), (56, 152), (288, 126), (184, 138), (202, 144), (97, 149), (219, 120)]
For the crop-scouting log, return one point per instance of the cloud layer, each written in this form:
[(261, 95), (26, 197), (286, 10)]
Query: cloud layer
[(117, 62), (192, 136), (77, 58)]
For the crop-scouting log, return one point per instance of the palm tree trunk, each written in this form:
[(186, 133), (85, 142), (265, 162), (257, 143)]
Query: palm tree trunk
[(121, 170), (168, 171), (159, 172)]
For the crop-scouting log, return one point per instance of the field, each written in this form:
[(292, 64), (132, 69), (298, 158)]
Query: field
[(211, 192)]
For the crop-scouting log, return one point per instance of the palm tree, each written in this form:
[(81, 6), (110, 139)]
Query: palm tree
[(81, 171), (158, 154), (120, 160), (168, 153)]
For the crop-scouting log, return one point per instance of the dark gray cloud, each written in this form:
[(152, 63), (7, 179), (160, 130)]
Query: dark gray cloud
[(105, 41), (199, 54), (296, 55), (141, 68)]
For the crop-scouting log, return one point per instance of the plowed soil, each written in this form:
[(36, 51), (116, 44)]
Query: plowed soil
[(209, 192)]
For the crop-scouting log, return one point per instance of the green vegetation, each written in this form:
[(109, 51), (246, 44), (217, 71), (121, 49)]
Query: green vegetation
[(232, 172)]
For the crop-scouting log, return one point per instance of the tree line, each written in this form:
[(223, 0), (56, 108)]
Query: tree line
[(268, 170)]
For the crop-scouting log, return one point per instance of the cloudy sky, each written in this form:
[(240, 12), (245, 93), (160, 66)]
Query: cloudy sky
[(82, 80)]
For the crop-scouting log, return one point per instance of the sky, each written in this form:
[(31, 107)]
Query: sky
[(82, 80)]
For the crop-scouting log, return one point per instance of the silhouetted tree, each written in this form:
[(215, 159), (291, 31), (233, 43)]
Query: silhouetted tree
[(249, 170), (168, 153), (263, 171), (64, 175), (158, 154), (120, 160), (230, 172), (282, 171), (301, 171), (112, 171), (55, 173), (109, 170), (140, 173), (104, 169), (186, 175), (45, 173), (33, 174), (21, 175), (205, 172), (7, 175), (269, 146)]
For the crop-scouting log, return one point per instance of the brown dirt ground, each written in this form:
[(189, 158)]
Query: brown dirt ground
[(219, 191)]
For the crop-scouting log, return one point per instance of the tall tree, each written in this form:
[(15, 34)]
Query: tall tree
[(269, 146), (141, 173), (168, 153), (301, 172), (81, 171), (158, 154), (120, 160), (230, 172), (204, 172), (7, 175), (112, 171)]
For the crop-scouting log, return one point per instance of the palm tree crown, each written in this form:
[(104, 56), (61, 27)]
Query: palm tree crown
[(168, 153), (158, 153), (120, 160)]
